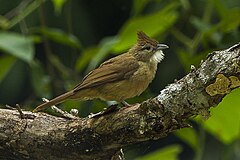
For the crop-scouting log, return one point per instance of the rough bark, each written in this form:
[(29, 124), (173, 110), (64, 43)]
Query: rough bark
[(49, 137)]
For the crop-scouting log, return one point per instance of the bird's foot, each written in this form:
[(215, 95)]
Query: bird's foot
[(125, 104), (108, 110)]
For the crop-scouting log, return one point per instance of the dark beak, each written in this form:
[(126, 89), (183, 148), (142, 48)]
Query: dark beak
[(162, 46)]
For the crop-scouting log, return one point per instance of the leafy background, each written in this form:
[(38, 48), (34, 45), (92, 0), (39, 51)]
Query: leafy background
[(47, 46)]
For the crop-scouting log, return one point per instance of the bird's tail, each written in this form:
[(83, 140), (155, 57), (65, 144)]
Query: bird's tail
[(54, 101)]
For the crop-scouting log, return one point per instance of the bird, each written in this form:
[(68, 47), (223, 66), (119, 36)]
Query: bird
[(119, 78)]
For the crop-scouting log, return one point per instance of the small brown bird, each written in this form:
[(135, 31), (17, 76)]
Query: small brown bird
[(119, 78)]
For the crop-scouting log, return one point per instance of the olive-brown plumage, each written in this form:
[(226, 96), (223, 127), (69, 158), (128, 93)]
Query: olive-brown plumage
[(119, 78)]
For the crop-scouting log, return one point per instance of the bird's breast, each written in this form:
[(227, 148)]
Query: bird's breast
[(143, 77)]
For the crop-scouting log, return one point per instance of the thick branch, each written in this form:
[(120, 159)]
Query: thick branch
[(49, 137)]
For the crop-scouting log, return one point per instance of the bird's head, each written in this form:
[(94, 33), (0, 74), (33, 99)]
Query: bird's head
[(148, 49)]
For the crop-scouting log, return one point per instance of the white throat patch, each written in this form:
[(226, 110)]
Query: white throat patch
[(158, 56)]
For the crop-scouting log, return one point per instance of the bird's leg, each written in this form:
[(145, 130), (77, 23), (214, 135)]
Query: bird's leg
[(125, 104), (108, 110)]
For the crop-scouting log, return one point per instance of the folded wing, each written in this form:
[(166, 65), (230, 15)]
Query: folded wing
[(115, 69)]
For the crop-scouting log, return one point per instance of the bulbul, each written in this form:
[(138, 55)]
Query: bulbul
[(119, 78)]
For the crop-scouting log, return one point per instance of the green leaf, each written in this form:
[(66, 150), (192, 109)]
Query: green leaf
[(58, 4), (17, 45), (228, 14), (224, 122), (189, 136), (94, 55), (230, 20), (167, 153), (6, 62), (200, 24), (152, 24), (39, 80), (24, 13), (4, 23), (60, 36), (85, 58), (104, 48), (138, 6)]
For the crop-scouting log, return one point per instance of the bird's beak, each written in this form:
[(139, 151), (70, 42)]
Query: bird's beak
[(162, 46)]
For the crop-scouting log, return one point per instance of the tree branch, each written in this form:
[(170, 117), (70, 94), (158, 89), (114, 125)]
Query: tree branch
[(50, 137)]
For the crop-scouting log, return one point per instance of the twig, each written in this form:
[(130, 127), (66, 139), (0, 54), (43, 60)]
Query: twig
[(10, 107), (22, 115), (63, 113)]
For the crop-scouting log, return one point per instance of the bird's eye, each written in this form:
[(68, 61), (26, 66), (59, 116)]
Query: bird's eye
[(147, 48)]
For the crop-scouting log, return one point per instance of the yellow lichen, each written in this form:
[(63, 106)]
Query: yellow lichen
[(234, 82), (222, 85)]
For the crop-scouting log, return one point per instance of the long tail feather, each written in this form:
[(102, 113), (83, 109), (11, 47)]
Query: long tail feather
[(54, 101)]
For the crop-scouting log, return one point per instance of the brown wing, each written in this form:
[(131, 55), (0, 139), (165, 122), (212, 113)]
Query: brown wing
[(114, 69)]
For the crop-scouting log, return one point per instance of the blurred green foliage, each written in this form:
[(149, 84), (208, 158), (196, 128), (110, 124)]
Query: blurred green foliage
[(46, 47), (167, 153), (17, 45), (225, 119)]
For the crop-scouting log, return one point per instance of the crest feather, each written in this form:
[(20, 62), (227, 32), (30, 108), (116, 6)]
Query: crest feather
[(144, 39)]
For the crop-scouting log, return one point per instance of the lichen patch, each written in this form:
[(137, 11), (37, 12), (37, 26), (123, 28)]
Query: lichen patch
[(222, 85)]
